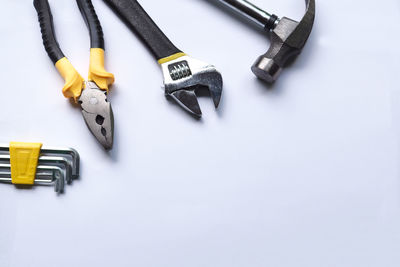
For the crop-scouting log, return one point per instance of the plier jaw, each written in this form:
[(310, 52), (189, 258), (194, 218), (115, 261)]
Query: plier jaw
[(97, 113)]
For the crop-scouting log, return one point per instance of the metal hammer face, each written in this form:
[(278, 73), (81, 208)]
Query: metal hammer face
[(288, 38)]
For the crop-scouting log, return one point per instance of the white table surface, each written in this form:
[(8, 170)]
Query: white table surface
[(304, 173)]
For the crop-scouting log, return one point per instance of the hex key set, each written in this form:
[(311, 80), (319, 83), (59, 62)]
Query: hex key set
[(33, 164)]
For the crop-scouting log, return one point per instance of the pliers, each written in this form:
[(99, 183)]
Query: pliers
[(182, 74), (90, 94)]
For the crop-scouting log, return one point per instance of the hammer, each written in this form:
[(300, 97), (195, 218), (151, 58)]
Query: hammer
[(288, 37)]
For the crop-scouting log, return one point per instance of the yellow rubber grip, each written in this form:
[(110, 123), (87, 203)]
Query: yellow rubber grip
[(24, 159), (97, 73), (170, 58), (74, 83)]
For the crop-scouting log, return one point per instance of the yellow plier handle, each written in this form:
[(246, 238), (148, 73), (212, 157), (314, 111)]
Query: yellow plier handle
[(74, 83)]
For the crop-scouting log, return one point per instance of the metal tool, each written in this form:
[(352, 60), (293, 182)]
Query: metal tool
[(68, 157), (45, 175), (90, 94), (55, 166), (183, 75), (288, 37), (48, 161), (69, 154)]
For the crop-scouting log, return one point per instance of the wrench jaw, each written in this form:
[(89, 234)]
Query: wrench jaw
[(184, 75), (187, 99), (98, 115)]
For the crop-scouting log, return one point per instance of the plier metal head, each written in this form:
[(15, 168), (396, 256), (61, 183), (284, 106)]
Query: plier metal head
[(98, 114)]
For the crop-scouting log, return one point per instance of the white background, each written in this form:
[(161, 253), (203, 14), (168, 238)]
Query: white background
[(304, 173)]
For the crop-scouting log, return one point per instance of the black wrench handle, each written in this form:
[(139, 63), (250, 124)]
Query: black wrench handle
[(136, 18)]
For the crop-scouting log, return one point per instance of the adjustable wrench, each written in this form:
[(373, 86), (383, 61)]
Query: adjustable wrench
[(182, 74)]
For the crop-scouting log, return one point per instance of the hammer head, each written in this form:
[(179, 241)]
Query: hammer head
[(287, 40)]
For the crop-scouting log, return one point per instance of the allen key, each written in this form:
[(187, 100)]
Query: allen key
[(45, 175), (49, 161)]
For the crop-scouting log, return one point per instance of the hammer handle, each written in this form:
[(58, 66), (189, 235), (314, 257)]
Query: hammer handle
[(252, 12), (136, 18)]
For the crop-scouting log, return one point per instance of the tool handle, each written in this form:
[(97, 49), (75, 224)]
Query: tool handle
[(89, 14), (47, 28), (73, 80), (97, 72), (251, 11), (136, 18)]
